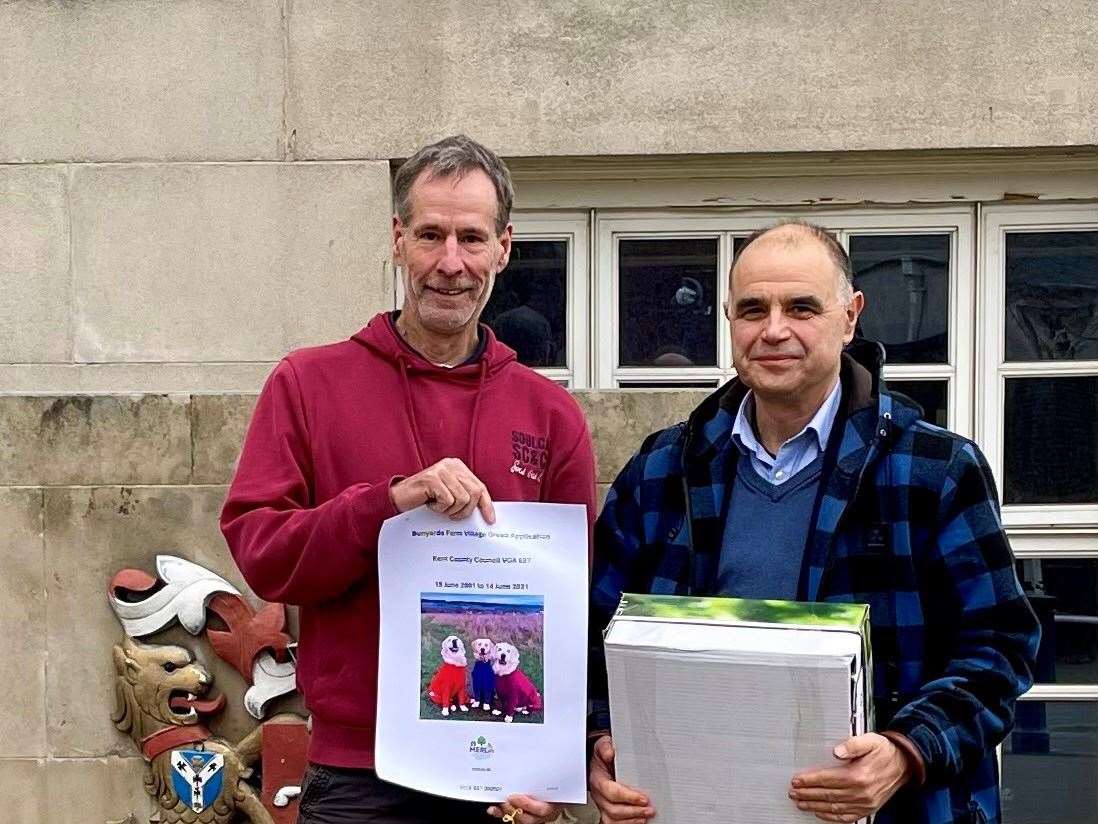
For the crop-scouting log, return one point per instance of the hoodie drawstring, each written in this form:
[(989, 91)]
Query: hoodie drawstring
[(476, 411), (411, 411), (407, 387)]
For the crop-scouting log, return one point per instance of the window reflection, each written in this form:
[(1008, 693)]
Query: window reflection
[(667, 299), (1064, 594), (1050, 440), (1049, 764), (1051, 295), (527, 310), (931, 395), (906, 282)]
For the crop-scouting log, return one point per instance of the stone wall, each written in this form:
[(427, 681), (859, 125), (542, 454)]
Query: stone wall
[(90, 485)]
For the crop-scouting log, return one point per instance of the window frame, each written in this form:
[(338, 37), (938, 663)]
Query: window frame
[(1031, 525)]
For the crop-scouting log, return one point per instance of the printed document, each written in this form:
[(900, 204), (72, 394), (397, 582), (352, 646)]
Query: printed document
[(482, 676)]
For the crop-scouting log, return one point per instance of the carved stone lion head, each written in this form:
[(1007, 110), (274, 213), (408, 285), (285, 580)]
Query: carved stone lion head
[(158, 686)]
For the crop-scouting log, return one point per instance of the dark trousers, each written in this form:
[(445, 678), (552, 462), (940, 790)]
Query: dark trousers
[(336, 795)]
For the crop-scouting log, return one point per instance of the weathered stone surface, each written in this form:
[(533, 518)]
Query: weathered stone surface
[(22, 626), (24, 789), (620, 420), (95, 790), (35, 298), (624, 77), (225, 262), (219, 423), (42, 790), (132, 378), (137, 79), (90, 534), (86, 439)]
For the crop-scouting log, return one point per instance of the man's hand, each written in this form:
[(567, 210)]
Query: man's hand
[(873, 770), (618, 803), (448, 487), (526, 810)]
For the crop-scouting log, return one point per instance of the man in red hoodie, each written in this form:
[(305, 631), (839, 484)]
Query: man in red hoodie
[(422, 406)]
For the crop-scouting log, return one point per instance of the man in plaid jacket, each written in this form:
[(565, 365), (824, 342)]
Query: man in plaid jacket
[(805, 478)]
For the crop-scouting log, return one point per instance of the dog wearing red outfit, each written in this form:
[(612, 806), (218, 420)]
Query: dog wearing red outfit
[(449, 685)]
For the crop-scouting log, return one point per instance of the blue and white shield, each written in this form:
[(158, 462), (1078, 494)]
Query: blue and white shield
[(198, 777)]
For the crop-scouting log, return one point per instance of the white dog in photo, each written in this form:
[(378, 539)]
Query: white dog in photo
[(484, 677), (449, 685), (517, 693)]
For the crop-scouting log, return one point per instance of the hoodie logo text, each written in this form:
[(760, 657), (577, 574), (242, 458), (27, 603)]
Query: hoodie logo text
[(529, 455)]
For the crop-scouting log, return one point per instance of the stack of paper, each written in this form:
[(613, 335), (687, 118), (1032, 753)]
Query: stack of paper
[(716, 703)]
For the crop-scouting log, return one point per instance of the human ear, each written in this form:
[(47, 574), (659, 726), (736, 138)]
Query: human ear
[(505, 239), (853, 310)]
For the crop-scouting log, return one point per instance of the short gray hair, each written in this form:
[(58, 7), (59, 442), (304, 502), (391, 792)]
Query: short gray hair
[(830, 243), (454, 155)]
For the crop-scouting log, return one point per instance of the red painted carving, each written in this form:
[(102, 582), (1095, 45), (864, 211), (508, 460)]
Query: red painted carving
[(285, 742), (249, 632), (134, 580)]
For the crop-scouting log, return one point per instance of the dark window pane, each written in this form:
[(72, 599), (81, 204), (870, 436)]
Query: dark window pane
[(930, 395), (1050, 761), (1051, 296), (667, 299), (1050, 441), (1064, 594), (906, 283), (527, 307)]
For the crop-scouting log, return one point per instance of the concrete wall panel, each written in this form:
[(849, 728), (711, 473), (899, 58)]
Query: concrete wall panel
[(91, 534), (139, 79), (377, 79), (620, 421), (226, 262), (219, 423), (96, 789), (36, 791), (35, 293), (87, 439), (22, 626)]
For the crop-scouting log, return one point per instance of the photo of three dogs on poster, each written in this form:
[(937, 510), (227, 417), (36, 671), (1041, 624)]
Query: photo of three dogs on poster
[(496, 684)]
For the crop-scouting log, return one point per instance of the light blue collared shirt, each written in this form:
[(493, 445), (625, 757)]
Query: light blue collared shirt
[(796, 453)]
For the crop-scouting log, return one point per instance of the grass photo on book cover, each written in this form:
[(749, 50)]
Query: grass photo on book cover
[(482, 658)]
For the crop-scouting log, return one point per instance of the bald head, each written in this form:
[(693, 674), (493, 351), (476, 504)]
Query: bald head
[(793, 233)]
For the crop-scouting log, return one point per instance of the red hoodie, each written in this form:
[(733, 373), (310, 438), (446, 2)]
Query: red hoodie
[(333, 425)]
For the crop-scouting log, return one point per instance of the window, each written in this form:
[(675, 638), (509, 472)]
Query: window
[(539, 303), (661, 281), (1039, 387)]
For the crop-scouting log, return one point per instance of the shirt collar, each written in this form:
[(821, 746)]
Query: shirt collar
[(743, 430)]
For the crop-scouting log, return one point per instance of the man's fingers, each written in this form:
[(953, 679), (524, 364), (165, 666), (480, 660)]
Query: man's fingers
[(845, 795), (487, 508), (833, 778), (625, 812), (616, 793), (531, 806), (439, 497), (466, 500)]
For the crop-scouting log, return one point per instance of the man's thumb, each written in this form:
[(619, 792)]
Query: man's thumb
[(605, 749), (854, 747)]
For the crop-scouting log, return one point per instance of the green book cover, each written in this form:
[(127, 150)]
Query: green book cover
[(853, 617)]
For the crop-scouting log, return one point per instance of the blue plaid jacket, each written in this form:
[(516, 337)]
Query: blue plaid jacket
[(907, 521)]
